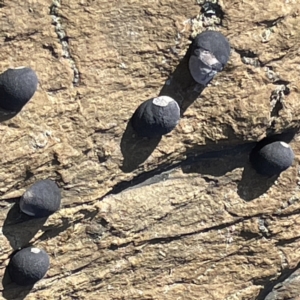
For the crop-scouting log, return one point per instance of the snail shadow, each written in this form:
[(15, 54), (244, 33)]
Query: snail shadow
[(222, 160), (181, 86), (252, 184), (135, 149), (286, 137), (7, 115), (20, 228), (218, 161), (12, 291)]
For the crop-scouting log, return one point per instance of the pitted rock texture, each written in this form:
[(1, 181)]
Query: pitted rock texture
[(181, 217)]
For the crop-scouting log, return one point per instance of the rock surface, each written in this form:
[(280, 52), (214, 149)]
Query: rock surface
[(182, 217)]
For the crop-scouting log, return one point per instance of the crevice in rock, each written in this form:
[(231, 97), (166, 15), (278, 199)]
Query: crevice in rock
[(144, 179), (115, 247), (273, 60), (56, 90), (20, 37), (270, 284), (269, 27), (50, 48), (283, 82), (270, 23), (63, 39), (277, 97), (284, 242), (248, 57), (278, 94), (286, 215)]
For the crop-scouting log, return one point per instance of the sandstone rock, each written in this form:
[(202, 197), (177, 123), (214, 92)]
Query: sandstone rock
[(181, 217)]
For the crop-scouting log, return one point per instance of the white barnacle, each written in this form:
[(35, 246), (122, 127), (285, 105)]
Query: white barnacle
[(35, 250), (162, 101)]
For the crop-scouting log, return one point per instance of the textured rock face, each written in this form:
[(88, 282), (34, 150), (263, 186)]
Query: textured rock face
[(181, 217)]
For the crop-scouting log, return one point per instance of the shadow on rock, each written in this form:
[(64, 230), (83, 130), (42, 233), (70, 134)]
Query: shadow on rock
[(252, 184), (218, 161), (6, 115), (181, 86), (53, 231), (19, 228), (12, 291), (135, 149), (286, 137)]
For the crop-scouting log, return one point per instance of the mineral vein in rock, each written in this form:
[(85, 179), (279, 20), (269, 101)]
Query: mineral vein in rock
[(62, 36)]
